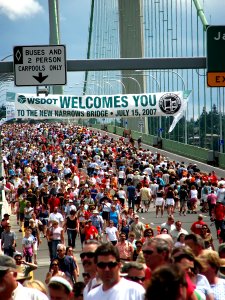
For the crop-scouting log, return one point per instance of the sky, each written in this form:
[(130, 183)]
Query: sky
[(25, 22)]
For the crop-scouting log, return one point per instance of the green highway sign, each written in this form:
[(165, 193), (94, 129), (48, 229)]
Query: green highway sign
[(216, 56)]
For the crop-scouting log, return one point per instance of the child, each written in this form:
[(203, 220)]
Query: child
[(27, 243)]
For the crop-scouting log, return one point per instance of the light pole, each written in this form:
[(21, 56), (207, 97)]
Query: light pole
[(4, 58), (159, 90)]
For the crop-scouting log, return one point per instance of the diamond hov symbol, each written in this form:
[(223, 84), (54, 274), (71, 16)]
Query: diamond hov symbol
[(40, 65)]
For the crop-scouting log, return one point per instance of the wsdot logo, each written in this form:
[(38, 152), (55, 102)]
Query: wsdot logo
[(21, 99)]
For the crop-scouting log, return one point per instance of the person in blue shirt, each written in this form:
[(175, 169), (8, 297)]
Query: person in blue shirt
[(114, 216), (131, 194)]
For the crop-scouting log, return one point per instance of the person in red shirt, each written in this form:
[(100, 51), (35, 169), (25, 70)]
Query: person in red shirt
[(218, 215), (197, 226), (53, 202), (213, 178), (91, 232)]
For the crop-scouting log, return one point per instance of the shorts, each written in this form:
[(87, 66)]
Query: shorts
[(28, 251), (170, 202), (146, 202), (105, 215), (183, 203), (159, 201), (21, 217), (35, 247), (193, 200), (137, 200)]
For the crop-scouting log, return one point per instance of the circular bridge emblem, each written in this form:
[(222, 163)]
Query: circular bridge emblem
[(170, 103)]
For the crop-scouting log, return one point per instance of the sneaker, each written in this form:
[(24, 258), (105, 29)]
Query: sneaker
[(20, 230)]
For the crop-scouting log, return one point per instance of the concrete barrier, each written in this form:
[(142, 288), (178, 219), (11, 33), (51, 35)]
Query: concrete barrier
[(197, 153), (221, 160)]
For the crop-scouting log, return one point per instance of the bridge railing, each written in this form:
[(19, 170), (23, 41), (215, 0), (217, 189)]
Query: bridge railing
[(189, 151)]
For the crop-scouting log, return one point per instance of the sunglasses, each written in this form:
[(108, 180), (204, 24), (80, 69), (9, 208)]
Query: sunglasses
[(135, 278), (147, 252), (88, 254), (110, 265), (54, 264), (86, 275), (59, 250)]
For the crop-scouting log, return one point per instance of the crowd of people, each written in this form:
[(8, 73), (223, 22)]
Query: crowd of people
[(70, 184)]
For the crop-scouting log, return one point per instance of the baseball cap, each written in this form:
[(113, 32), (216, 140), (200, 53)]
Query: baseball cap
[(6, 263), (17, 254), (61, 280)]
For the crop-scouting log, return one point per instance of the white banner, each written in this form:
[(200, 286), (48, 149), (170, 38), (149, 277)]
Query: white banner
[(30, 106), (10, 110)]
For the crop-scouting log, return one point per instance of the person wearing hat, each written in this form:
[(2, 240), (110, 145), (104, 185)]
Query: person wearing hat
[(22, 266), (91, 232), (10, 286), (97, 221), (8, 238), (69, 206), (60, 288), (4, 223), (31, 197)]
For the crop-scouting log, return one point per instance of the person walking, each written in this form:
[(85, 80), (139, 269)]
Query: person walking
[(146, 196), (55, 235), (159, 201), (71, 225), (8, 238), (66, 263)]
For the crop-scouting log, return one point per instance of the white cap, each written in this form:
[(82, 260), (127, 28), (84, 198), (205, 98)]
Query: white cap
[(63, 281)]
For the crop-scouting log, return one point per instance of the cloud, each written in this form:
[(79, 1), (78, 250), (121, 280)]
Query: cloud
[(18, 9)]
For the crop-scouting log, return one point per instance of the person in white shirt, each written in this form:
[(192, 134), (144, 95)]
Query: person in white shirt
[(112, 234), (56, 216), (177, 231), (107, 259), (169, 224)]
